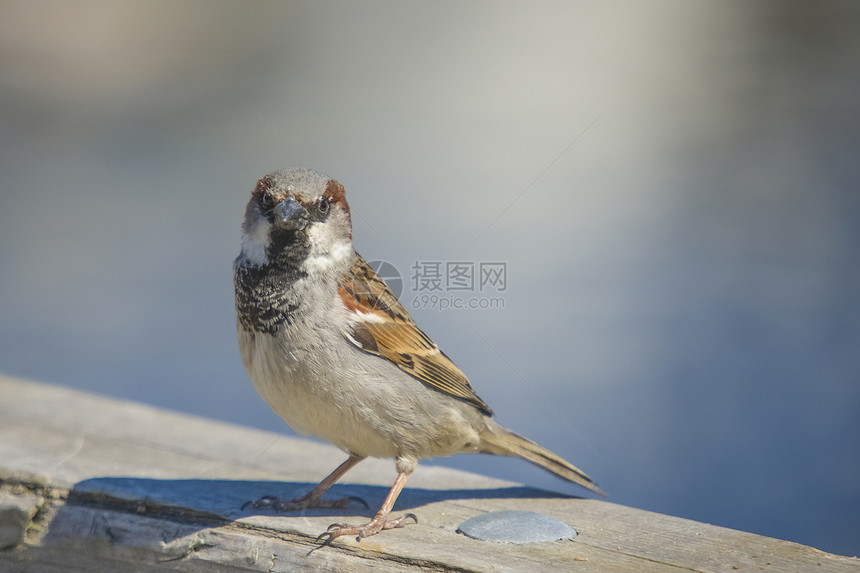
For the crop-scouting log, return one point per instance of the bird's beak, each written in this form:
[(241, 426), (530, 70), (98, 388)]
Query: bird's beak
[(290, 215)]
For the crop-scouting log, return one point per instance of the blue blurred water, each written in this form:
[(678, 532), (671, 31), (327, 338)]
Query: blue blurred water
[(673, 188)]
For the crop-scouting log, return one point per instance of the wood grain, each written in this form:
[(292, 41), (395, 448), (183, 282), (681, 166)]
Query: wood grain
[(97, 484)]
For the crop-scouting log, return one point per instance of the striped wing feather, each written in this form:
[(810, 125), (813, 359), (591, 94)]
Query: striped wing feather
[(386, 329)]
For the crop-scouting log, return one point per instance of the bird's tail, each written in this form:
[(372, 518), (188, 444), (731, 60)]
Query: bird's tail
[(501, 441)]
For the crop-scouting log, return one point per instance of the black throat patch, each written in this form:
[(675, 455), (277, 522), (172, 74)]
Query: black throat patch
[(265, 300)]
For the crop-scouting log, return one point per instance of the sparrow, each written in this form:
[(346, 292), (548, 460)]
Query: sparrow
[(334, 353)]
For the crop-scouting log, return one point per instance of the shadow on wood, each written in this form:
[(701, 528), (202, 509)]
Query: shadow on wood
[(89, 483), (224, 498)]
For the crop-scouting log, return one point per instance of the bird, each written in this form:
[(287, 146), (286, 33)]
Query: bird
[(335, 354)]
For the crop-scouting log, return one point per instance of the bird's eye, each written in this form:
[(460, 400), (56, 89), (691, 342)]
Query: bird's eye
[(268, 202), (324, 204)]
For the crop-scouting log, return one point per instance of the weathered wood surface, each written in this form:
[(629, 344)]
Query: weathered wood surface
[(94, 484)]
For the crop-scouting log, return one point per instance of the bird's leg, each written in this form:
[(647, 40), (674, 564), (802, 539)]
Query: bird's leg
[(379, 522), (314, 497)]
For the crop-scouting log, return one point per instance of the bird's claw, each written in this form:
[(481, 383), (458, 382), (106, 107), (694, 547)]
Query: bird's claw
[(373, 527)]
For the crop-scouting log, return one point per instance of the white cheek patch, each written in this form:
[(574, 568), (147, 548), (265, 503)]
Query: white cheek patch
[(254, 245), (326, 250), (325, 261), (341, 250)]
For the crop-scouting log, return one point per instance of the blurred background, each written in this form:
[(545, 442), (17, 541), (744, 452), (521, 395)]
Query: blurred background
[(674, 187)]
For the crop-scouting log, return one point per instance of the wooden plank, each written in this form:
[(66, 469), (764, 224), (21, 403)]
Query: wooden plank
[(106, 485)]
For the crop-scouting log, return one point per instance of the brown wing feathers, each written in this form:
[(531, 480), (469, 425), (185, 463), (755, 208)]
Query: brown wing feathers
[(387, 330)]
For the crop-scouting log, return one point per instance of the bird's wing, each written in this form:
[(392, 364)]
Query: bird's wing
[(383, 327)]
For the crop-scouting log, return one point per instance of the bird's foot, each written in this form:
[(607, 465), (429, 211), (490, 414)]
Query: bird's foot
[(305, 502), (377, 524)]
